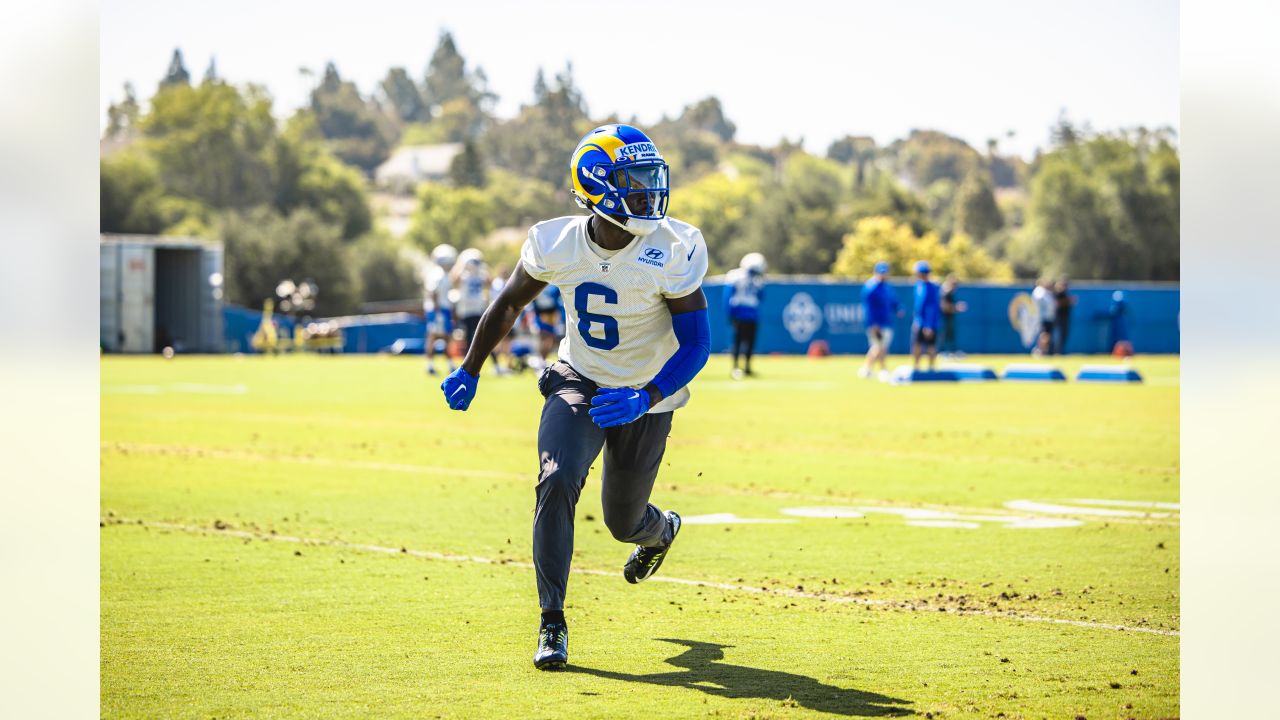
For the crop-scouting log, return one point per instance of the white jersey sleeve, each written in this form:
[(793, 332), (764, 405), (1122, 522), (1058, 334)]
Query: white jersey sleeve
[(688, 266), (531, 257)]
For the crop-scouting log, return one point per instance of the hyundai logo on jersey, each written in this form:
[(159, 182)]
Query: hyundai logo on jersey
[(652, 256)]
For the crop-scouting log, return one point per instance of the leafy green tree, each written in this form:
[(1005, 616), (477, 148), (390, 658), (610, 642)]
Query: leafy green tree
[(859, 151), (307, 175), (457, 216), (877, 239), (882, 195), (522, 201), (177, 73), (264, 247), (467, 169), (539, 140), (926, 156), (721, 208), (357, 132), (384, 270), (975, 211), (1104, 207), (456, 95), (211, 72), (130, 192), (403, 97), (799, 224), (122, 117), (211, 143)]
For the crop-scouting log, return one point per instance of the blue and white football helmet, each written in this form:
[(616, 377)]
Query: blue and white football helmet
[(618, 173)]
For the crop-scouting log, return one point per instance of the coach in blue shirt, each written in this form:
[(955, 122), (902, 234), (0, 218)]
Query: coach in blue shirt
[(926, 318), (879, 307)]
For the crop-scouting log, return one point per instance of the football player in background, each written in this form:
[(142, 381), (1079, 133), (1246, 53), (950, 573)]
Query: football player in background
[(879, 308), (548, 322), (745, 292), (926, 318), (471, 278), (638, 332), (438, 306)]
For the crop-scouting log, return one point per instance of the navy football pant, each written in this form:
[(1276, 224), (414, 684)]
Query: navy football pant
[(568, 443)]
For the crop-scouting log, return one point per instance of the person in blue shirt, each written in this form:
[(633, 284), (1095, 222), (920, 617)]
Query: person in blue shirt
[(744, 291), (879, 307), (926, 318), (1119, 325)]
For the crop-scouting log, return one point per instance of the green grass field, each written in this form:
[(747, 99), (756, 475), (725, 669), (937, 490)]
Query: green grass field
[(320, 537)]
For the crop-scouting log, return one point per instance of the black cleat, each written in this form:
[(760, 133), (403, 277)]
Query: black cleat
[(553, 646), (645, 561)]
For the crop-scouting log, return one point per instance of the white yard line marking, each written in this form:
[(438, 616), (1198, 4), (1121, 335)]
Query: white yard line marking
[(730, 587), (306, 460), (1032, 506)]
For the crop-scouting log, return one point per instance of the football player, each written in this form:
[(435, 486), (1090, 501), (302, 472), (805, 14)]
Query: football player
[(438, 306), (744, 289), (637, 333), (926, 319), (471, 277), (879, 307)]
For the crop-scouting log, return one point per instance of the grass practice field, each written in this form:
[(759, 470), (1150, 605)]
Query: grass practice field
[(320, 537)]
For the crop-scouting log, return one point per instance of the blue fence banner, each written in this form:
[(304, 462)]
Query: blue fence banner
[(1000, 319)]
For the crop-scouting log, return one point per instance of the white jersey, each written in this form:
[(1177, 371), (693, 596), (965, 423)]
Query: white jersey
[(473, 288), (747, 288), (438, 286), (618, 328)]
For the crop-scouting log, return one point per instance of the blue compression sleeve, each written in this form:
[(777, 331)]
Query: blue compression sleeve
[(693, 332)]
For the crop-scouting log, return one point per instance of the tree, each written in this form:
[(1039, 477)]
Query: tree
[(799, 224), (356, 132), (211, 72), (523, 201), (450, 89), (721, 208), (211, 143), (1104, 207), (403, 97), (538, 141), (384, 270), (122, 117), (926, 156), (457, 216), (974, 208), (307, 175), (708, 115), (859, 151), (467, 167), (882, 239), (177, 73), (264, 247)]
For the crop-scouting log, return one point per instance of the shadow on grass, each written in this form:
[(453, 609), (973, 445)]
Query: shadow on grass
[(703, 671)]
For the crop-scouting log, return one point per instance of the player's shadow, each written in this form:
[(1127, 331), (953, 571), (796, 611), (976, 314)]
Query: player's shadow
[(702, 670)]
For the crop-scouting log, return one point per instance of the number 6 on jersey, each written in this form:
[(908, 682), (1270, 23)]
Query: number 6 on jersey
[(609, 296)]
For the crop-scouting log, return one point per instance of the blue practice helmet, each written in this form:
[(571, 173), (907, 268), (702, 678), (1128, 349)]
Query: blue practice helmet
[(882, 268), (613, 163), (923, 267)]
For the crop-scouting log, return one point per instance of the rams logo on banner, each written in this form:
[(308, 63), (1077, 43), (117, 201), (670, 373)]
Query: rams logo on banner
[(1024, 316), (802, 317)]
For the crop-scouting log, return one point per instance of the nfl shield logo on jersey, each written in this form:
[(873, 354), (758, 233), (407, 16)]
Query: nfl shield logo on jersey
[(604, 267)]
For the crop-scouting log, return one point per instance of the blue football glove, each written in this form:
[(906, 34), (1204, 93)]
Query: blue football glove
[(618, 406), (459, 389)]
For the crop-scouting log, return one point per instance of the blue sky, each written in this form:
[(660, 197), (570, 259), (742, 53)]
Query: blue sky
[(816, 70)]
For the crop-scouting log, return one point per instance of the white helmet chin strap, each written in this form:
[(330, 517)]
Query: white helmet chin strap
[(633, 226)]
